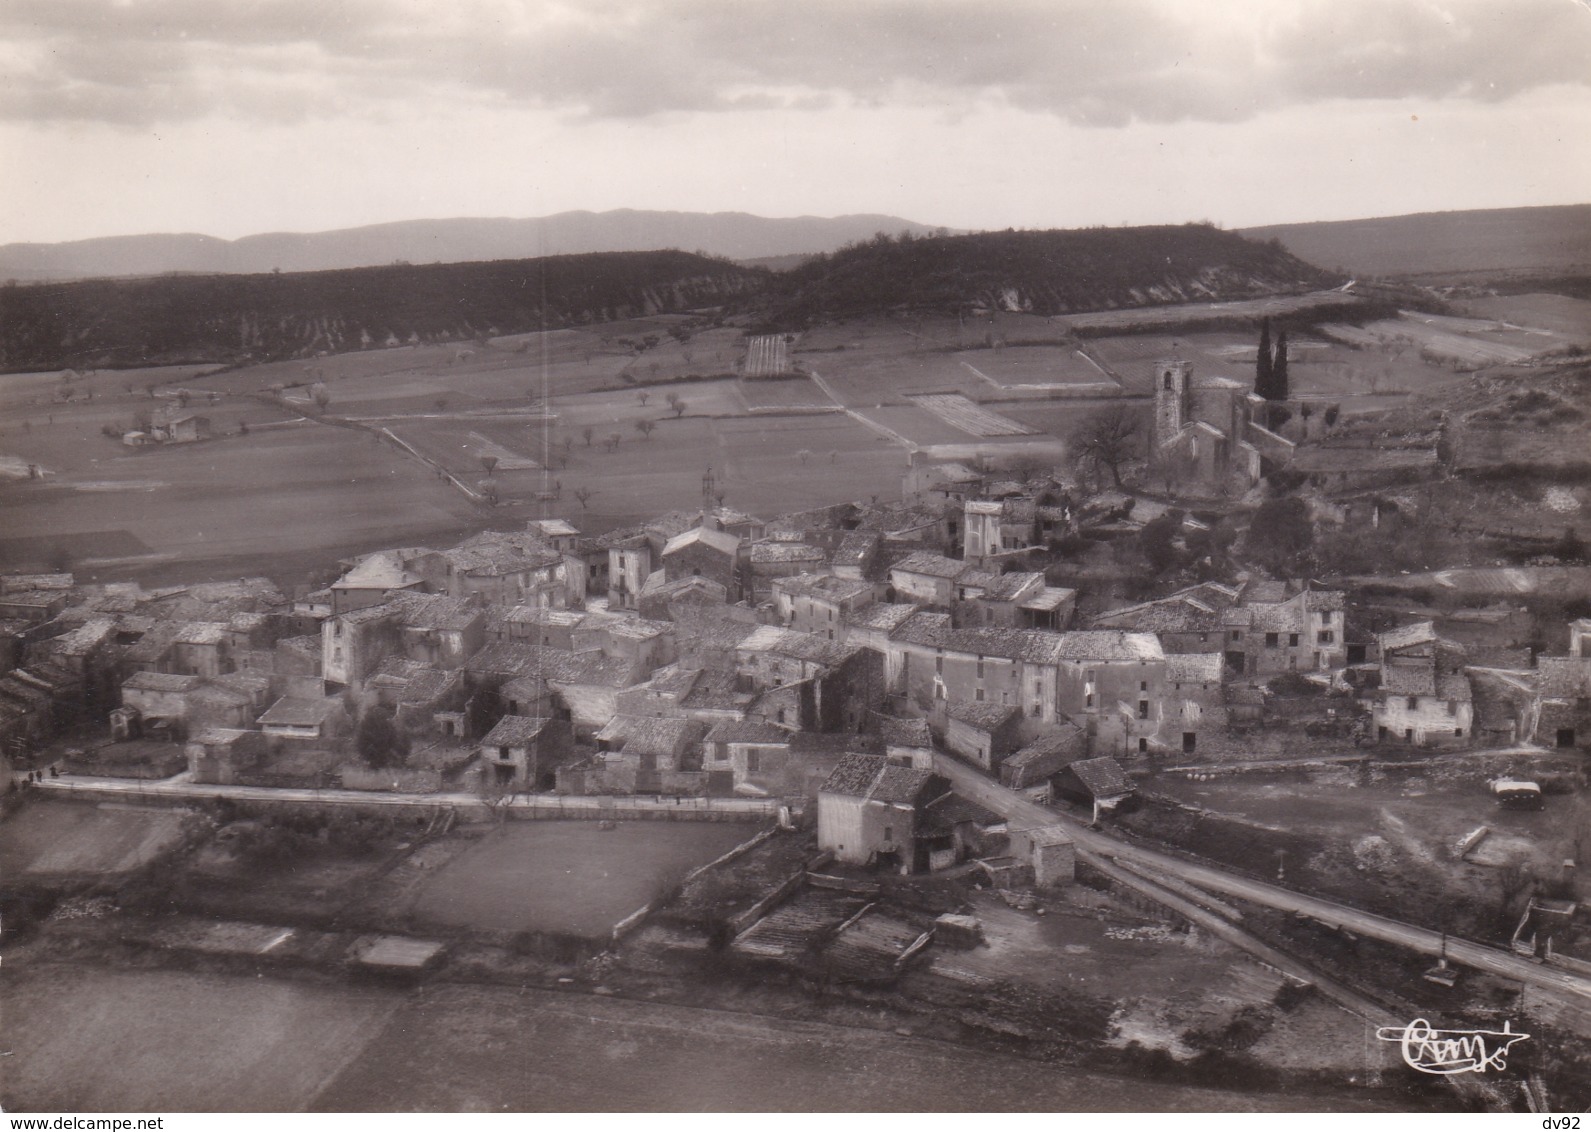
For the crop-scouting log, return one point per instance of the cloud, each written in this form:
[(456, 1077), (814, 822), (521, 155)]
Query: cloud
[(1089, 62)]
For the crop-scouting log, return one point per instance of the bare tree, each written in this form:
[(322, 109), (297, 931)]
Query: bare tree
[(584, 494), (679, 408), (1109, 439), (645, 428), (805, 454), (672, 398), (489, 463), (643, 396), (588, 432), (321, 396)]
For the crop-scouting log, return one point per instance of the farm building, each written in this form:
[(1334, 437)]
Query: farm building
[(525, 752), (869, 811)]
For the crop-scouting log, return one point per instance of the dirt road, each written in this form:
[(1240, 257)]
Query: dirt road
[(1025, 814)]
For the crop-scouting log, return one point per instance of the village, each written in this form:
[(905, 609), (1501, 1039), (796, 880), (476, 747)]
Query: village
[(897, 725)]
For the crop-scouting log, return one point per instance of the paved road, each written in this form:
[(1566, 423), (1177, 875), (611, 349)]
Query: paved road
[(574, 807), (1025, 814)]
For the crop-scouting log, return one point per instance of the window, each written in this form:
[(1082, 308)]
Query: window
[(1143, 746), (1292, 640), (1272, 640), (939, 663), (1237, 634), (1458, 733), (1088, 700), (1414, 703), (1324, 637), (889, 833), (978, 695), (1452, 707), (1035, 712), (1143, 709), (980, 668), (752, 762), (1325, 617), (1143, 685)]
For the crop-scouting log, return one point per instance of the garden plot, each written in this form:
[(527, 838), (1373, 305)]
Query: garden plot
[(967, 415), (767, 355), (1538, 314)]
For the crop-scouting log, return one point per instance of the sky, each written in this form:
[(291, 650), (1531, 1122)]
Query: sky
[(233, 117)]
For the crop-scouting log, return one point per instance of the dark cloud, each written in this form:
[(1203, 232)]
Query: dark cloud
[(1093, 62)]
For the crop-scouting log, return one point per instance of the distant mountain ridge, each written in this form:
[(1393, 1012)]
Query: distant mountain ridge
[(732, 235), (1551, 238)]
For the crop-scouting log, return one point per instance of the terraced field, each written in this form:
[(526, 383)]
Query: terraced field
[(970, 417)]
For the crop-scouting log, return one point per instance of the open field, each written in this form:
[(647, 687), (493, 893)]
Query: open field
[(297, 488), (1568, 318), (916, 425), (569, 877), (84, 1039), (538, 1051), (64, 839), (783, 393), (967, 415), (1035, 365)]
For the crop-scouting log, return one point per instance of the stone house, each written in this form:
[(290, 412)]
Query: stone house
[(1100, 783), (983, 733), (306, 720), (1425, 697), (680, 600), (376, 577), (630, 559), (926, 578), (781, 557), (1034, 767), (648, 755), (1113, 685), (1563, 717), (927, 662), (869, 811), (706, 553), (746, 757), (845, 681), (507, 569), (222, 755), (524, 752)]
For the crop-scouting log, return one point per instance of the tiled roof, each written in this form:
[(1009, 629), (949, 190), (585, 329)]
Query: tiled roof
[(721, 541), (436, 612), (644, 734), (1109, 645), (898, 785), (770, 552), (800, 646), (1103, 778), (881, 617), (495, 553), (201, 633), (826, 587), (1054, 750), (1421, 632), (293, 712), (1193, 668), (931, 565), (746, 731), (161, 682), (904, 732), (983, 715), (515, 731)]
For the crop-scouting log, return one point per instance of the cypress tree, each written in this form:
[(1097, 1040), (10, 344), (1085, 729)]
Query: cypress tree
[(1279, 369), (1262, 363)]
